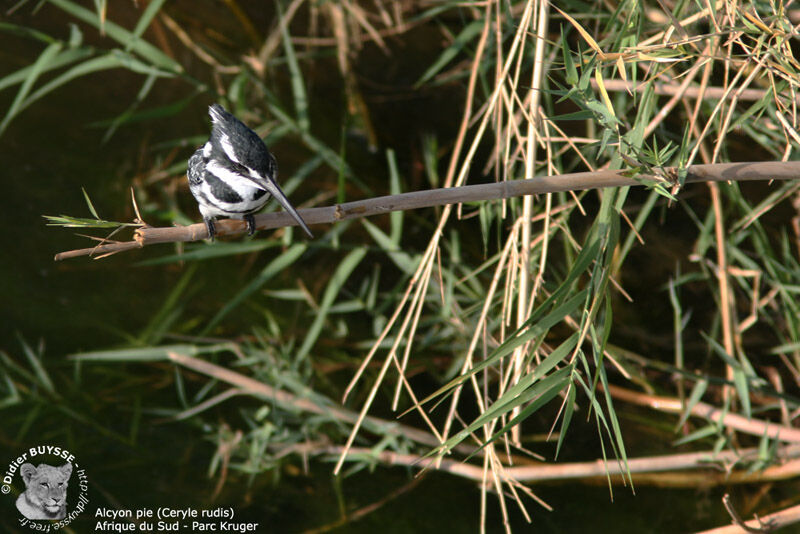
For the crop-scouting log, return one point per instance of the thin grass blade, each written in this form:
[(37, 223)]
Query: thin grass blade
[(279, 264), (153, 55), (340, 276)]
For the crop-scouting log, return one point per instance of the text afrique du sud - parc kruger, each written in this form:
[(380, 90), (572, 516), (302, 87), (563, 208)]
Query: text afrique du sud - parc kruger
[(170, 520)]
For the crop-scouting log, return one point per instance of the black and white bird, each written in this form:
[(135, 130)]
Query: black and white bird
[(233, 174)]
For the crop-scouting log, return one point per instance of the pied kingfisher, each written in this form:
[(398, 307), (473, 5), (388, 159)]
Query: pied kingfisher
[(233, 174)]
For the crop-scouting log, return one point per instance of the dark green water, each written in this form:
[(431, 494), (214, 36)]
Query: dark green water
[(134, 461)]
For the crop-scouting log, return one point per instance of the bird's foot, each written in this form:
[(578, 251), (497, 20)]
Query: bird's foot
[(211, 228), (251, 223)]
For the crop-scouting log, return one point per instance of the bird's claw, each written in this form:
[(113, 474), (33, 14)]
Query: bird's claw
[(251, 223), (212, 231)]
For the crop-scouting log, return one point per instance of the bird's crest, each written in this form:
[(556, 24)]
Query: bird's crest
[(217, 113)]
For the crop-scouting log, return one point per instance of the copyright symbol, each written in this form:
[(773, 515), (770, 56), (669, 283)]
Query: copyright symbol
[(5, 489)]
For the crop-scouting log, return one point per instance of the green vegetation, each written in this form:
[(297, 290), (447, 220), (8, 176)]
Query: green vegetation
[(483, 326)]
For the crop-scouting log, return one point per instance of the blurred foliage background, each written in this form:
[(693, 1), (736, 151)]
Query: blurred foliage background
[(514, 320)]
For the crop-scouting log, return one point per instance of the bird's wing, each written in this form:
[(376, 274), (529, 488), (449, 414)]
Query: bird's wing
[(196, 167)]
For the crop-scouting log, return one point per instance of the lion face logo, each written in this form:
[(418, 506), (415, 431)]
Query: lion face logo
[(45, 494)]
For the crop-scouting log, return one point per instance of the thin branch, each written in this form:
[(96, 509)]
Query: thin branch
[(752, 426), (789, 468), (672, 89), (775, 521), (251, 386), (770, 170), (245, 385), (768, 527), (714, 466)]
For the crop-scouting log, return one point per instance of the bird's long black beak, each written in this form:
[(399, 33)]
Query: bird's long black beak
[(275, 191)]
